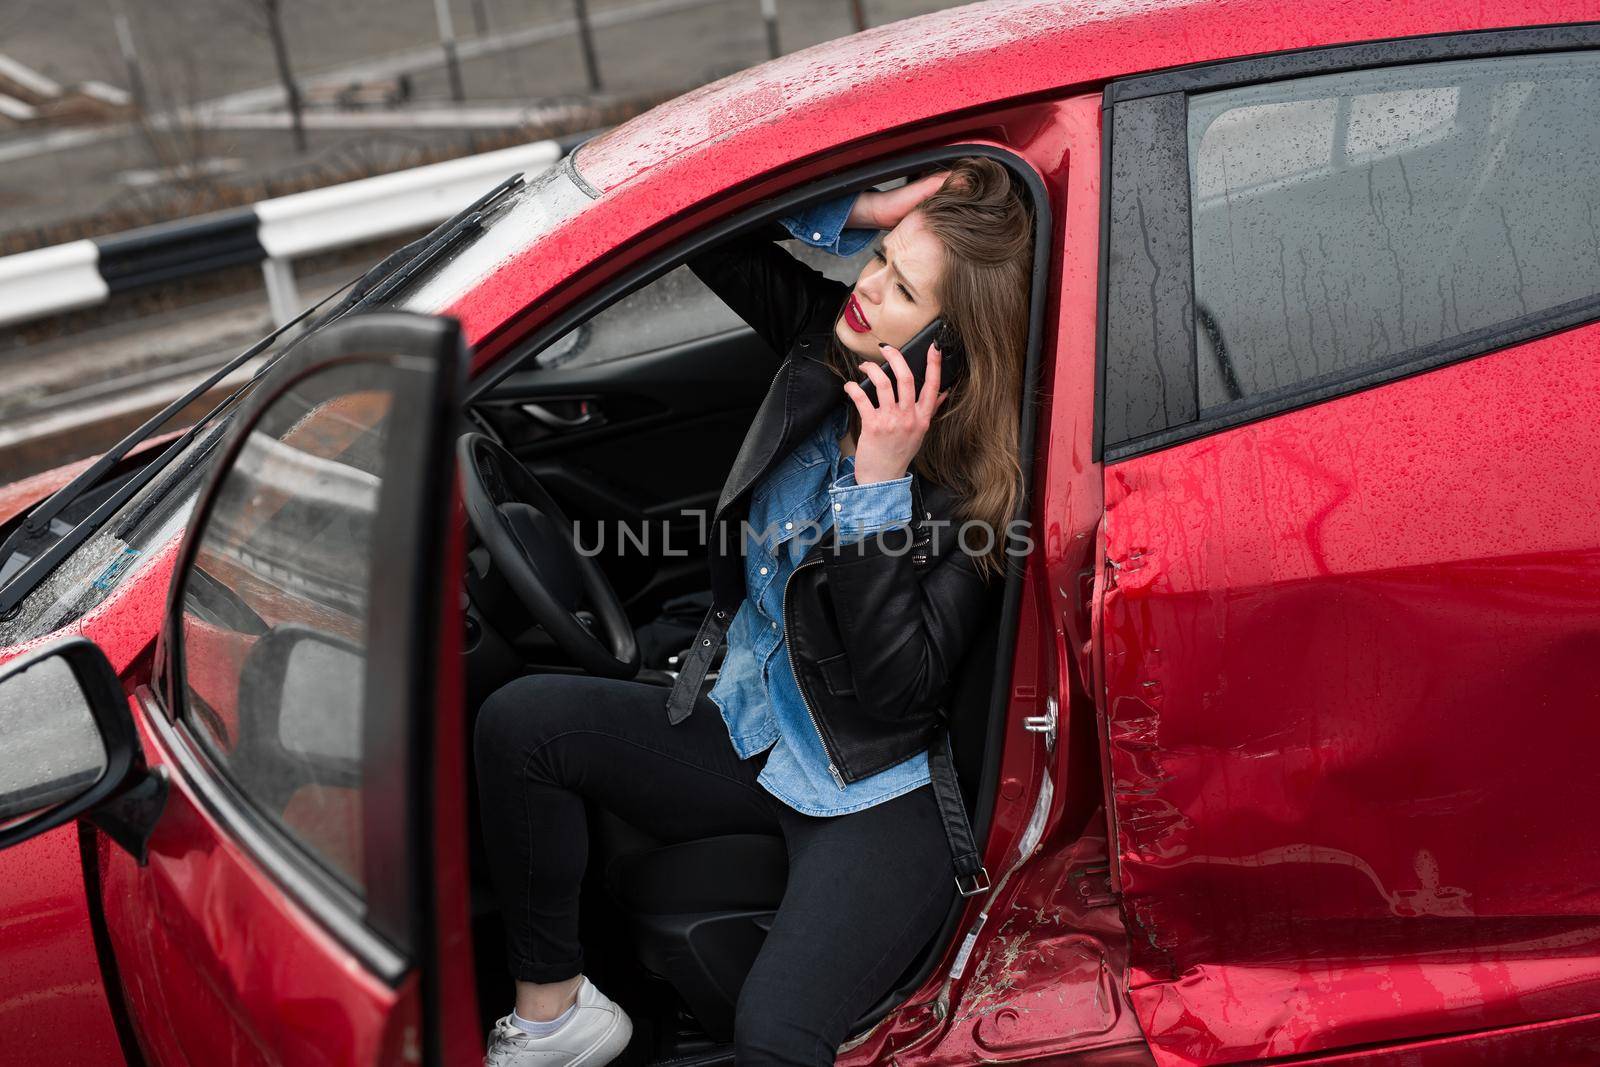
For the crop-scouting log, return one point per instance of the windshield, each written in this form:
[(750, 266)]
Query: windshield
[(122, 546), (548, 199), (158, 512)]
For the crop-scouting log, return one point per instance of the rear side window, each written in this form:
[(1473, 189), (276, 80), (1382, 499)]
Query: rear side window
[(1342, 221), (1271, 245)]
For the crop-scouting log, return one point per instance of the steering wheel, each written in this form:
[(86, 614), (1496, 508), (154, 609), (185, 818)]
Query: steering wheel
[(533, 546)]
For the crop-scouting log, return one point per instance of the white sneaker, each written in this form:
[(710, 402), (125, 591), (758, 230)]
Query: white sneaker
[(597, 1033)]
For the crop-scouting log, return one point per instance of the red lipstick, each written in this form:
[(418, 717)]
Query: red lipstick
[(854, 317)]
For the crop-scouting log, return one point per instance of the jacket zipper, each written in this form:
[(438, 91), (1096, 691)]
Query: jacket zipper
[(788, 643), (788, 650)]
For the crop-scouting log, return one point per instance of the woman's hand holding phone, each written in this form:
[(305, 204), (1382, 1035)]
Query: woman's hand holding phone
[(892, 429)]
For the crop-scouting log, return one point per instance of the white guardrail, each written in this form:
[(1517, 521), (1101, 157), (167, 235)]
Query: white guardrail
[(48, 280), (340, 215), (274, 233)]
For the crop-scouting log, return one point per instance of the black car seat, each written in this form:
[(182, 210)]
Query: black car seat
[(673, 629), (700, 910)]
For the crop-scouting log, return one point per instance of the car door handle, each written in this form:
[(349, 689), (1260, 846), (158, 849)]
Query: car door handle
[(588, 414)]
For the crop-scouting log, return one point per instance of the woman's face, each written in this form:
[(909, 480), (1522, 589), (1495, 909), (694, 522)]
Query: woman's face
[(894, 296)]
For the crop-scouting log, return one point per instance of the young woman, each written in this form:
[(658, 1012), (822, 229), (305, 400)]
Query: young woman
[(825, 722)]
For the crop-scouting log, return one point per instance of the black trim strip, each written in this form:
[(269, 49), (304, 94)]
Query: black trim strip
[(1335, 384), (1103, 286), (1148, 357), (416, 512), (1277, 66), (110, 973)]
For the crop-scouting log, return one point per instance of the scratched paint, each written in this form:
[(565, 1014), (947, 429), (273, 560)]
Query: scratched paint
[(1350, 693)]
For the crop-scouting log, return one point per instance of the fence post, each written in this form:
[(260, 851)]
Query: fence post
[(447, 41), (769, 12), (283, 296), (580, 11)]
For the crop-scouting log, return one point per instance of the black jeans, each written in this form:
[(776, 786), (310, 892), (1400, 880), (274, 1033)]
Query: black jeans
[(866, 891)]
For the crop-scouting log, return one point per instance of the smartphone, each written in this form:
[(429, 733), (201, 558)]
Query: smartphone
[(916, 353)]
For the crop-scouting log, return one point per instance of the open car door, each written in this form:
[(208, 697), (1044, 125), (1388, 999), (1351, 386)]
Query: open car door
[(283, 911)]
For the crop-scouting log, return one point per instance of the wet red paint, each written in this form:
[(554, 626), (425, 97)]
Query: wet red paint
[(261, 982), (50, 981), (1350, 663), (1347, 714)]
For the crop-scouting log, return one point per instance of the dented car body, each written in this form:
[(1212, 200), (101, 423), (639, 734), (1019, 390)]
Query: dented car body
[(1296, 754)]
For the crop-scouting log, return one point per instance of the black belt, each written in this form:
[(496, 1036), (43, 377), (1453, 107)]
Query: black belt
[(692, 672), (971, 878)]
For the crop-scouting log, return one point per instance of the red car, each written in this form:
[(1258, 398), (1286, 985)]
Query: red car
[(1283, 741)]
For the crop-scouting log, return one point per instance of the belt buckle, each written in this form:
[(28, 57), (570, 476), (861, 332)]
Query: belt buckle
[(980, 883)]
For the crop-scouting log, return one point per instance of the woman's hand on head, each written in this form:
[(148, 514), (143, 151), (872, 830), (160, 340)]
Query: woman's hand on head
[(883, 211), (893, 428)]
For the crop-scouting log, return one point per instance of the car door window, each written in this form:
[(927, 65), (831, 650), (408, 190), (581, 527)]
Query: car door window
[(1275, 241), (275, 616), (675, 309), (1342, 221)]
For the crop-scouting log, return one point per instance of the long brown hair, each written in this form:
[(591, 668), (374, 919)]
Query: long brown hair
[(985, 224)]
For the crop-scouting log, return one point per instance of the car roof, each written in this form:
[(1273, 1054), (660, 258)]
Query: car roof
[(982, 54), (847, 93)]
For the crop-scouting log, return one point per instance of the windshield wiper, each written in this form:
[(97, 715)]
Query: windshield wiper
[(372, 287), (39, 520), (405, 262)]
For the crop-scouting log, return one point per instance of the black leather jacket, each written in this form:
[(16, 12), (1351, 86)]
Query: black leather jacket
[(876, 627)]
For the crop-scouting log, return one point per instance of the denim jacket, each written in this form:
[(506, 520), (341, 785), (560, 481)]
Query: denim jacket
[(811, 489), (822, 226)]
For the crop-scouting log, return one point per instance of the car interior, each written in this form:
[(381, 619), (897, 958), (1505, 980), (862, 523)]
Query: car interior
[(630, 420)]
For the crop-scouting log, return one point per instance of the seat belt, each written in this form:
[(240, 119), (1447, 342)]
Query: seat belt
[(971, 878), (692, 672)]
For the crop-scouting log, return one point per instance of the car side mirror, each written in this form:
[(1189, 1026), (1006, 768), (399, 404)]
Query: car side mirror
[(300, 691), (66, 737)]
